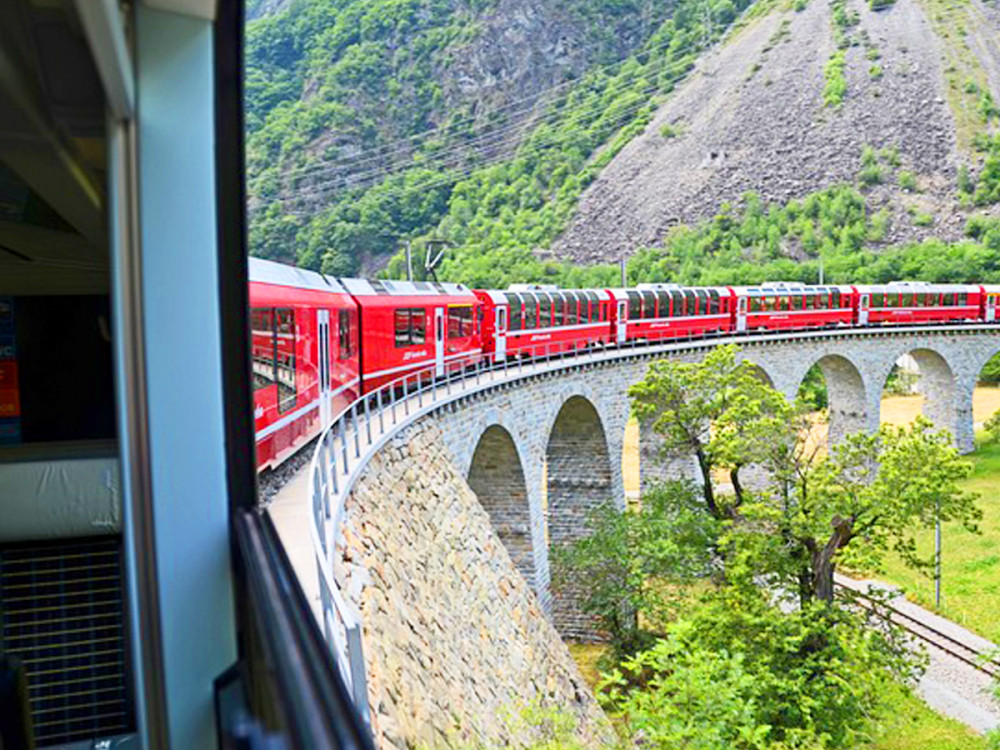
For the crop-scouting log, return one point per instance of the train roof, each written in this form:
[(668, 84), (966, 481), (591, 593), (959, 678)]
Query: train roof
[(622, 293), (762, 290), (390, 287), (499, 296), (268, 272), (917, 286)]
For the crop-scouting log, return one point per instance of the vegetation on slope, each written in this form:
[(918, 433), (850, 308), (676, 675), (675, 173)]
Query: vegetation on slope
[(332, 83)]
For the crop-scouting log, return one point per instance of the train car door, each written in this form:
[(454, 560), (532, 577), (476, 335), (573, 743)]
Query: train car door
[(500, 332), (323, 367), (991, 307), (622, 321), (439, 341), (864, 302), (741, 314)]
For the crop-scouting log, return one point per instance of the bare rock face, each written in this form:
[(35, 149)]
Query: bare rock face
[(752, 118)]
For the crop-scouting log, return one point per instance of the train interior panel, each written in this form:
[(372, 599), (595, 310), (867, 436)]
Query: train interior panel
[(61, 517)]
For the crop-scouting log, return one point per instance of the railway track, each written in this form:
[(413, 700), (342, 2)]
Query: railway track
[(954, 647)]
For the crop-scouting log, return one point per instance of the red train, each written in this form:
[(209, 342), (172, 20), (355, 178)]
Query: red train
[(320, 343)]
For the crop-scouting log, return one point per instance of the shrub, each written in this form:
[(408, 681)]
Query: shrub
[(875, 72), (835, 88), (908, 181)]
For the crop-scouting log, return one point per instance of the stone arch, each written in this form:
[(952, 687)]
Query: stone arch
[(847, 404), (578, 480), (936, 384), (496, 475)]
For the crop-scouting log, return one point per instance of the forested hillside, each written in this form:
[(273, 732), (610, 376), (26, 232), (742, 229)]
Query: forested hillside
[(704, 140), (374, 121)]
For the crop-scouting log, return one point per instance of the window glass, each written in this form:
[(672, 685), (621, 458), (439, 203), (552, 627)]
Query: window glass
[(530, 311), (834, 298), (963, 298), (948, 298), (662, 304), (514, 306), (557, 309), (677, 303), (572, 314), (286, 321), (689, 303), (460, 321), (754, 304), (713, 303), (402, 327), (544, 311), (286, 380), (262, 346), (418, 326), (908, 299), (634, 306), (344, 333)]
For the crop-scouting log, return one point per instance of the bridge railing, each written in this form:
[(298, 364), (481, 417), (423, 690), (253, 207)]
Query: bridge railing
[(360, 430)]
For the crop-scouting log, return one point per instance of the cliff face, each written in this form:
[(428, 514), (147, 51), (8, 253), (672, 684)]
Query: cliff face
[(753, 118)]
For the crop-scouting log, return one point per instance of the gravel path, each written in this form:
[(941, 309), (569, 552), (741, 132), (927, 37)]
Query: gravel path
[(949, 686), (270, 484), (752, 118)]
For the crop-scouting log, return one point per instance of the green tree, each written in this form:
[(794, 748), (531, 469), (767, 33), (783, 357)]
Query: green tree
[(718, 410)]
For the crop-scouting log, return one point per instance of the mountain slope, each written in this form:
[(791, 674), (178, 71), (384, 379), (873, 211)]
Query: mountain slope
[(753, 118)]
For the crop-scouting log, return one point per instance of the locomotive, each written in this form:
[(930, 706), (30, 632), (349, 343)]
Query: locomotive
[(319, 343)]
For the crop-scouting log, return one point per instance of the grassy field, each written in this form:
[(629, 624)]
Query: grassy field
[(909, 724)]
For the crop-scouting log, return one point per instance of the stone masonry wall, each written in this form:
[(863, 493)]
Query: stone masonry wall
[(497, 479), (456, 644)]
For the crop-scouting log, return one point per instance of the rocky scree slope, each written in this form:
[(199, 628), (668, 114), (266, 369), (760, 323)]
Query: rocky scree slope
[(753, 118)]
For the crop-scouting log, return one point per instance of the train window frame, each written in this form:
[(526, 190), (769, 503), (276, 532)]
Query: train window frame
[(461, 321), (270, 332), (514, 312), (531, 305), (344, 334), (545, 305), (572, 308), (415, 328), (634, 305), (714, 302)]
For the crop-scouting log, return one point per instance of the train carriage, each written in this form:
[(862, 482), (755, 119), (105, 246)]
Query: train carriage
[(989, 302), (304, 345), (651, 312), (530, 319), (790, 305), (903, 302), (414, 325)]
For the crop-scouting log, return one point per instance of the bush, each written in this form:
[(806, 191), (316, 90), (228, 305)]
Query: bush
[(835, 88), (739, 673), (875, 72), (908, 181)]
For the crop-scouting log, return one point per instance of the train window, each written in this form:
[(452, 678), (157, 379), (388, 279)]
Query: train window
[(544, 311), (713, 302), (662, 304), (930, 300), (286, 381), (963, 298), (344, 333), (572, 313), (410, 326), (676, 303), (649, 304), (907, 300), (948, 299), (460, 321), (514, 305), (402, 327), (286, 320), (834, 299), (530, 311), (689, 303), (418, 325), (701, 301), (262, 346), (557, 309), (634, 306)]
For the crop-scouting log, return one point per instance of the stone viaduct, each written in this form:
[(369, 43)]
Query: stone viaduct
[(542, 453), (456, 632)]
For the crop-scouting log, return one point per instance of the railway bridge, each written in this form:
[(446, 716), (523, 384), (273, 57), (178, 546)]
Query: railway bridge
[(537, 445)]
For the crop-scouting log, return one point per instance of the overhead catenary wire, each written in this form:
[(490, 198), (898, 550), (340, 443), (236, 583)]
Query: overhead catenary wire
[(532, 149), (513, 106), (496, 139)]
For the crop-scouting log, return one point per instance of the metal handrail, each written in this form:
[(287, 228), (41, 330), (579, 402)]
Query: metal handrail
[(342, 452)]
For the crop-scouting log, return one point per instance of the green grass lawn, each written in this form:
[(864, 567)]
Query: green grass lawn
[(970, 562), (908, 725)]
